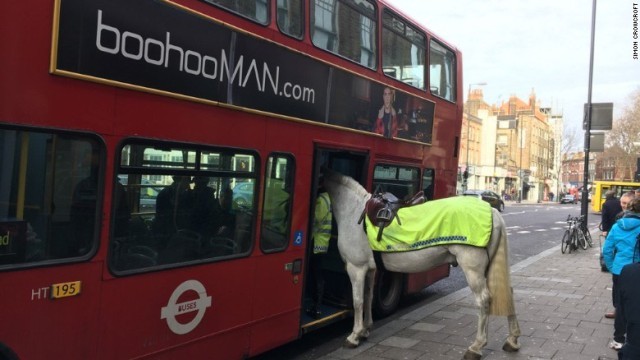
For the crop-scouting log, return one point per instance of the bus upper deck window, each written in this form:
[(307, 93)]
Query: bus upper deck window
[(255, 10), (403, 53), (347, 28), (442, 70), (291, 17)]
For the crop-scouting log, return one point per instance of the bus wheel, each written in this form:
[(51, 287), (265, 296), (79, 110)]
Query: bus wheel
[(387, 292)]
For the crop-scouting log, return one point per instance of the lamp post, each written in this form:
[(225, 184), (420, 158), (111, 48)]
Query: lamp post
[(466, 170)]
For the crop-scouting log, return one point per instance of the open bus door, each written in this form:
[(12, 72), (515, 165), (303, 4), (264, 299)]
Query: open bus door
[(335, 303)]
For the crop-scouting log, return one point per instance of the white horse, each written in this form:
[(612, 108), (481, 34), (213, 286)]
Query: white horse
[(486, 269)]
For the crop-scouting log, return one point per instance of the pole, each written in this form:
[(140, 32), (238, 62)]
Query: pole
[(587, 133), (521, 195)]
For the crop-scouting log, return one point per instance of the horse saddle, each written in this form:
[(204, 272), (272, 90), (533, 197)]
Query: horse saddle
[(382, 208)]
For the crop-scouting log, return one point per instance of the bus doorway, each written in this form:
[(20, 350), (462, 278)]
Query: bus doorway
[(327, 294)]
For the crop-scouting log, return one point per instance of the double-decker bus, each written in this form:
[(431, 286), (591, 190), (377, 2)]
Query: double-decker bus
[(160, 163), (600, 188)]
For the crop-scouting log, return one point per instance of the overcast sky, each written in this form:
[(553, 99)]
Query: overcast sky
[(517, 46)]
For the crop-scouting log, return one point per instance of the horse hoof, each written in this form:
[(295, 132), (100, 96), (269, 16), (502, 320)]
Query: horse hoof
[(470, 355), (351, 342), (349, 345), (509, 347)]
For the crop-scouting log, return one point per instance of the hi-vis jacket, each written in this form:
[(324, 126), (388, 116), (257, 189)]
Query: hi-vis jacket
[(321, 232)]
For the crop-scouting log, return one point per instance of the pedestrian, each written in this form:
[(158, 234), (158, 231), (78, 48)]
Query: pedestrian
[(625, 199), (618, 251), (610, 208), (630, 308)]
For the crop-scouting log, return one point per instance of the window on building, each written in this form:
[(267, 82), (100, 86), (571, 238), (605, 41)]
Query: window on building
[(403, 51), (347, 28), (442, 69), (50, 196), (256, 10), (177, 204)]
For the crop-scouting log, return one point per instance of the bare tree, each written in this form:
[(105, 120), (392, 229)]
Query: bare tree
[(570, 140), (621, 142)]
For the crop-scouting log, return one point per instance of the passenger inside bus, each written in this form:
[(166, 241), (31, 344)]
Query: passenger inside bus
[(205, 207), (172, 209), (225, 219), (83, 210)]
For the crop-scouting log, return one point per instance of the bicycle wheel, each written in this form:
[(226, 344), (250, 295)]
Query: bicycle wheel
[(587, 236), (582, 242), (566, 240)]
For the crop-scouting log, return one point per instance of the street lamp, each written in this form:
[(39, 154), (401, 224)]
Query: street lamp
[(466, 170)]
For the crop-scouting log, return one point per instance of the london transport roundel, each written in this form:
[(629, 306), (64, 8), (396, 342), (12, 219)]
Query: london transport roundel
[(174, 308)]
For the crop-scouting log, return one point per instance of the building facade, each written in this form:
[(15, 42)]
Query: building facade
[(510, 148)]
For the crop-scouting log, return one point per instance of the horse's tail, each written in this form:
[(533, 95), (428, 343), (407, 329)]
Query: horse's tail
[(498, 276)]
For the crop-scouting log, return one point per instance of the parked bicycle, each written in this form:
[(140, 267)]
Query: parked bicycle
[(574, 237), (582, 225)]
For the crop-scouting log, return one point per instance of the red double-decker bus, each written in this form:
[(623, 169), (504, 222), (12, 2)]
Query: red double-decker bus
[(160, 163)]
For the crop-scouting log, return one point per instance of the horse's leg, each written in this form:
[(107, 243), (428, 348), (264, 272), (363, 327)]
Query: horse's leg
[(512, 344), (474, 264), (368, 299), (357, 277)]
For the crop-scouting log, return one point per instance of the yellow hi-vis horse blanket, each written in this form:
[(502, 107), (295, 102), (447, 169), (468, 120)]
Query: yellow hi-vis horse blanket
[(461, 220)]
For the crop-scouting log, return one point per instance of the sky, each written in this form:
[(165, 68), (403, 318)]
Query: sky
[(544, 45)]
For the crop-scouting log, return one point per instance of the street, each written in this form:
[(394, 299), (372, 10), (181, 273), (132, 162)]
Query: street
[(531, 229)]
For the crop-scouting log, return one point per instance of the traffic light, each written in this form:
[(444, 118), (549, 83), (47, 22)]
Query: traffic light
[(637, 178)]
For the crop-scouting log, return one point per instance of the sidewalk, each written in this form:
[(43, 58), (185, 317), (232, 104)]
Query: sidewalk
[(560, 302)]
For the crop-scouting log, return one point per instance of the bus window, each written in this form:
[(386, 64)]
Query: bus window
[(291, 17), (256, 10), (403, 51), (401, 181), (347, 28), (276, 211), (442, 70), (49, 196), (185, 204), (428, 183)]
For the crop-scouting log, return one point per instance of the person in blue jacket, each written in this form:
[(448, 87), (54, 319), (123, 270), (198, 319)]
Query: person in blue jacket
[(618, 251)]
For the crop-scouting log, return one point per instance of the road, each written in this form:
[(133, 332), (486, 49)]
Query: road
[(531, 229)]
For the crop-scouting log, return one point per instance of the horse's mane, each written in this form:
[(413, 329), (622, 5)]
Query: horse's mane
[(346, 181)]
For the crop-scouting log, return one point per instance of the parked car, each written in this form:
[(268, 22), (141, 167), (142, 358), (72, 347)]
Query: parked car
[(568, 199), (243, 195), (489, 196)]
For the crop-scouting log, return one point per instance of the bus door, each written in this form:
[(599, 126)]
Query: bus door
[(327, 296), (277, 282)]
